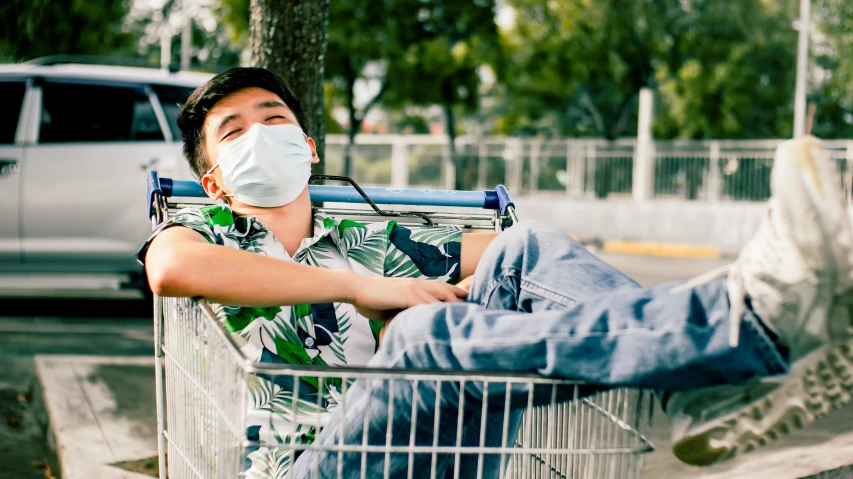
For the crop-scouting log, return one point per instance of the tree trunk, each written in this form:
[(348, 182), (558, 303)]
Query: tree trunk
[(289, 37), (354, 124)]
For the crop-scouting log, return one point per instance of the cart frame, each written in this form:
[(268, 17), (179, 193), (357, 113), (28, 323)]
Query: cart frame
[(201, 375)]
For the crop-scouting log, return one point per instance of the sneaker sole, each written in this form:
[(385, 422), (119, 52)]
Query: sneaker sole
[(823, 384)]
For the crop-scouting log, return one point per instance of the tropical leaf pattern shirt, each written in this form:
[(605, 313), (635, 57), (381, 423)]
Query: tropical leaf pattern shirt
[(320, 334)]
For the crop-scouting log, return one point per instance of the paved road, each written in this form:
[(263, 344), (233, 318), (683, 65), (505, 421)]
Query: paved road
[(114, 327), (39, 326)]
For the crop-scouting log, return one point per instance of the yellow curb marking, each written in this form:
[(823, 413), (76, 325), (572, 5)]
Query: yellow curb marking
[(660, 249)]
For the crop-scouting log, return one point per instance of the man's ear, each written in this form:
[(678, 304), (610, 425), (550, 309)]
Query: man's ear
[(211, 187), (314, 158)]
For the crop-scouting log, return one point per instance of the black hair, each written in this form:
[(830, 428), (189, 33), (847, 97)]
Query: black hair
[(202, 100)]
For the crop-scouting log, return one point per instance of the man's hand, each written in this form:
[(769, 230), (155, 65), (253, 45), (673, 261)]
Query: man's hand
[(465, 284), (383, 298)]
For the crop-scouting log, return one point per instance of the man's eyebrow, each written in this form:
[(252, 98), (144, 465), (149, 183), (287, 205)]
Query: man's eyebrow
[(224, 122), (270, 104)]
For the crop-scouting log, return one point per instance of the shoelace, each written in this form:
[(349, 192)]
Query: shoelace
[(737, 296)]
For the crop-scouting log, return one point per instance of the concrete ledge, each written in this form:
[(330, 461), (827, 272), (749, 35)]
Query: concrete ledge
[(89, 428), (663, 227)]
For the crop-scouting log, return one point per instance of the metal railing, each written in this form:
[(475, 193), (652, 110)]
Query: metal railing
[(578, 168)]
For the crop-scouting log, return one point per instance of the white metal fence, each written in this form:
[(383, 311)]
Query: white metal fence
[(691, 170)]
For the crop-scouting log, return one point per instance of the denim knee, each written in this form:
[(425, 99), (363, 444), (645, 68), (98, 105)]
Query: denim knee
[(419, 337), (519, 234)]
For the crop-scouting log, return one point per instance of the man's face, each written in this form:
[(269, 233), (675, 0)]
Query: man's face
[(232, 117)]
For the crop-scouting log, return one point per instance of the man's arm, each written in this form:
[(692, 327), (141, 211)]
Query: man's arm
[(180, 262), (473, 246)]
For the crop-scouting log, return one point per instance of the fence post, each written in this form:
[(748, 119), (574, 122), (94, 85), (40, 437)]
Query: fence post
[(448, 166), (513, 157), (482, 163), (399, 162), (715, 180), (848, 174), (591, 163), (570, 177), (643, 187), (535, 154)]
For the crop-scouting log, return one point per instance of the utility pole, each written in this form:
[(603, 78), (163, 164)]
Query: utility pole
[(643, 186), (186, 35), (802, 70)]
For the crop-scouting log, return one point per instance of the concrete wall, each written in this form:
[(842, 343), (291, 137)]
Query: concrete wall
[(724, 226)]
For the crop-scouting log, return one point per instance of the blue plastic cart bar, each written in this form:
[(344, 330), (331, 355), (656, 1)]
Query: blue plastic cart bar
[(497, 199)]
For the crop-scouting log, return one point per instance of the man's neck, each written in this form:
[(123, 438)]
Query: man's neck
[(290, 223)]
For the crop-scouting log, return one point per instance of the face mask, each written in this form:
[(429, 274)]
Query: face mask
[(268, 166)]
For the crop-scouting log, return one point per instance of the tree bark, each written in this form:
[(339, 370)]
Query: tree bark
[(354, 124), (289, 37)]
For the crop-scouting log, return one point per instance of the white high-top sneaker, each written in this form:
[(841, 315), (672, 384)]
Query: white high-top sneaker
[(797, 275)]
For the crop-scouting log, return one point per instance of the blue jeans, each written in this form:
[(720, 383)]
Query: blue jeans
[(540, 302)]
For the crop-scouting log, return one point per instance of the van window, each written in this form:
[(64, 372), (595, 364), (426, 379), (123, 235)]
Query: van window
[(172, 98), (10, 109), (73, 112)]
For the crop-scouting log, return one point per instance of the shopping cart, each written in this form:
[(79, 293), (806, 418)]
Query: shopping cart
[(202, 377)]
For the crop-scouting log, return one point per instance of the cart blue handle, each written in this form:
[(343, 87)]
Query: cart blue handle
[(497, 199)]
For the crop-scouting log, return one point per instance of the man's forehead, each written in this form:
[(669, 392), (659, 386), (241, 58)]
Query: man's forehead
[(244, 99)]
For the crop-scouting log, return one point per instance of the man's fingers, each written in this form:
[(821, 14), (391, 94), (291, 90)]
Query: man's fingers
[(449, 293), (428, 297), (459, 292)]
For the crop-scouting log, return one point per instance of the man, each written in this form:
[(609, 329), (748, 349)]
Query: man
[(537, 302)]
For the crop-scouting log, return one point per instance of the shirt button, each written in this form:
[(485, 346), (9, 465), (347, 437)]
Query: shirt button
[(309, 341)]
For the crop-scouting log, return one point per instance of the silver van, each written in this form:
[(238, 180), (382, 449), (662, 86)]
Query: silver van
[(76, 144)]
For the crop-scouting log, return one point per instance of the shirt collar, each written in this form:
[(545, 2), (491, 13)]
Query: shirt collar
[(324, 226)]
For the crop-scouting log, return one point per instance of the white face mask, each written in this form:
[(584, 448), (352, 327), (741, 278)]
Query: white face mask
[(268, 166)]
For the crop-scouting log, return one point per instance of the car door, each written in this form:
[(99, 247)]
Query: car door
[(11, 156), (83, 187)]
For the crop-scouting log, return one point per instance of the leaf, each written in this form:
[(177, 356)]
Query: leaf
[(370, 252), (292, 353), (398, 265), (375, 328), (436, 236), (237, 321), (218, 215), (430, 260)]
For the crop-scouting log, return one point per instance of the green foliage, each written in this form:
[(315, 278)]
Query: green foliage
[(361, 33), (34, 28), (215, 45), (833, 95), (729, 71), (575, 68), (722, 69)]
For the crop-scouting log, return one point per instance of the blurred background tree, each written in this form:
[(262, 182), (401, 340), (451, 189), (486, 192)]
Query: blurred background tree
[(575, 68), (832, 85), (728, 70), (721, 69), (35, 28), (361, 44), (442, 46)]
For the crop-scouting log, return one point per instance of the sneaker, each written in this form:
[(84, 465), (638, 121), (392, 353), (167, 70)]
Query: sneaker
[(798, 277)]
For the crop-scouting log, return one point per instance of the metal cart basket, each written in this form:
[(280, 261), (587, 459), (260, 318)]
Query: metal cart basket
[(202, 378)]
